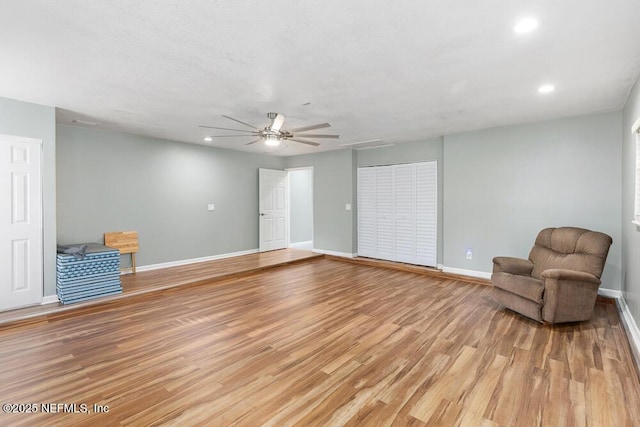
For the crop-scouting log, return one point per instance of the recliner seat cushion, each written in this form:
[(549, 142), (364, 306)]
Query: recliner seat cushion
[(527, 287)]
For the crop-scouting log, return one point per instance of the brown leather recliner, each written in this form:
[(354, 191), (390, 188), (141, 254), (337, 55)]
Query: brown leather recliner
[(559, 282)]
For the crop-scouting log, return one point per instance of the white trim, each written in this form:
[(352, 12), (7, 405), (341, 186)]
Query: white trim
[(440, 267), (609, 293), (50, 299), (631, 327), (464, 272), (302, 168), (334, 253), (10, 138), (308, 245), (636, 202), (634, 222), (288, 212), (194, 260), (636, 126)]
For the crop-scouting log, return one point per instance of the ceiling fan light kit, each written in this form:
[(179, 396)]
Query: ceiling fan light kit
[(273, 134), (271, 140)]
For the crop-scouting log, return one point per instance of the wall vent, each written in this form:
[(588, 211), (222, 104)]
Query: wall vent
[(364, 145)]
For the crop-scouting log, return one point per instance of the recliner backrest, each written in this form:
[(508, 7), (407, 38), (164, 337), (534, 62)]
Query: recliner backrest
[(570, 248)]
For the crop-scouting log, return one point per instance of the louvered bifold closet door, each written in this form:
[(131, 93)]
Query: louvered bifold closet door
[(397, 212), (404, 189), (367, 235), (427, 214), (385, 220)]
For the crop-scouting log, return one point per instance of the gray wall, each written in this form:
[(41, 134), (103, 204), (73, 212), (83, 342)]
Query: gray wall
[(38, 121), (111, 181), (333, 183), (503, 185), (411, 152), (630, 232), (301, 206)]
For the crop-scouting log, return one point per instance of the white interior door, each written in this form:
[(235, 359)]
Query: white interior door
[(20, 222), (273, 209)]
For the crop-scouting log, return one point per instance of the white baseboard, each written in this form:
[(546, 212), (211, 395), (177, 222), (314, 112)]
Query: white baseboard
[(194, 260), (609, 293), (308, 245), (50, 299), (631, 327), (463, 272), (342, 254)]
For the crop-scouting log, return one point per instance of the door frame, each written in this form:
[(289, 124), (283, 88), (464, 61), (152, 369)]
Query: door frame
[(4, 138), (288, 170)]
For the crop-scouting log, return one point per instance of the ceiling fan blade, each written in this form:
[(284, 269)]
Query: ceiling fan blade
[(235, 130), (241, 122), (232, 136), (309, 135), (312, 127), (277, 122), (253, 142), (302, 141)]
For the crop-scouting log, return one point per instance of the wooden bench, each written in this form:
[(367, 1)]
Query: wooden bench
[(126, 242)]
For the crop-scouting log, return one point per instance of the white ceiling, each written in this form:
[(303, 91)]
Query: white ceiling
[(399, 71)]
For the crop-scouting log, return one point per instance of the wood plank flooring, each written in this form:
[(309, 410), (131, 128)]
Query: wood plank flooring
[(320, 343), (165, 278)]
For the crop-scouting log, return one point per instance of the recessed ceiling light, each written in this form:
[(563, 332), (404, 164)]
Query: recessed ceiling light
[(525, 25), (208, 138), (546, 89)]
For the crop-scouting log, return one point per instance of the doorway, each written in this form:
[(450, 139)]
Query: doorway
[(301, 208)]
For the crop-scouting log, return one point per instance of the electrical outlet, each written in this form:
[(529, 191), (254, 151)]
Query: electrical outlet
[(469, 253), (211, 207)]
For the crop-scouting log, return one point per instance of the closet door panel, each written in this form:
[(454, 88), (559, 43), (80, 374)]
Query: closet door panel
[(426, 220), (385, 221), (367, 234), (405, 211)]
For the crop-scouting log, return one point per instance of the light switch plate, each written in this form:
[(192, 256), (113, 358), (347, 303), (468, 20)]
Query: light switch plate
[(347, 206), (211, 207)]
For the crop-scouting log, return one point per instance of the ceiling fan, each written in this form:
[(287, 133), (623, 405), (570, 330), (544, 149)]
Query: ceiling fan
[(273, 134)]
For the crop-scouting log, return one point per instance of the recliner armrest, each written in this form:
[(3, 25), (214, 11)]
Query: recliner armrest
[(518, 266), (569, 295), (571, 275)]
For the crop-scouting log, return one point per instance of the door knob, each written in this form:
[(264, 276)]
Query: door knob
[(262, 214)]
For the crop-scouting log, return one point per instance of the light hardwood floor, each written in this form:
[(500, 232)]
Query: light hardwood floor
[(154, 280), (320, 343)]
